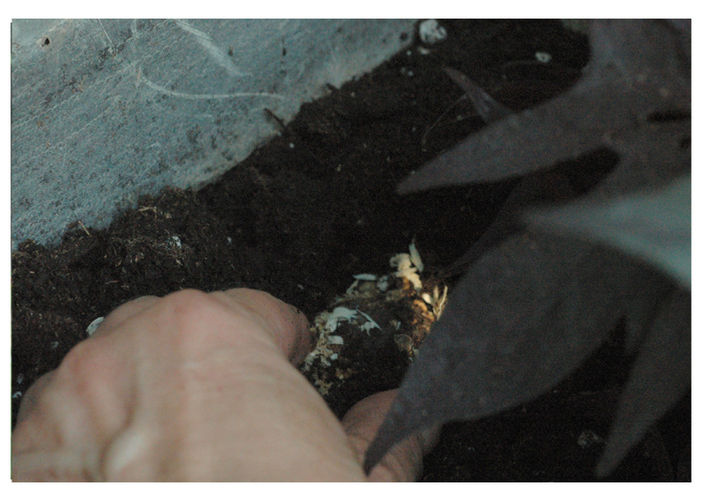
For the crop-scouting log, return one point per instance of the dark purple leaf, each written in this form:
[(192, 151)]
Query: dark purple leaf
[(661, 375), (532, 306), (643, 53), (638, 68), (515, 146), (650, 158), (652, 225), (550, 185), (525, 315), (642, 310)]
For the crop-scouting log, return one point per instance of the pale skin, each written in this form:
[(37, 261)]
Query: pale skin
[(198, 386)]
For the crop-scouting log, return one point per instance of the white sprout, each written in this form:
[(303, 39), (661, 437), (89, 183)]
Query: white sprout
[(369, 325), (415, 257), (334, 340), (340, 313), (94, 325), (368, 277)]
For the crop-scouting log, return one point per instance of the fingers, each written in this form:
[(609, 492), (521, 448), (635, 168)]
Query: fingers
[(404, 462), (111, 321), (125, 312), (29, 400), (287, 326)]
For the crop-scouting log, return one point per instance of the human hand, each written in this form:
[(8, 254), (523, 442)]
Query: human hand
[(197, 386)]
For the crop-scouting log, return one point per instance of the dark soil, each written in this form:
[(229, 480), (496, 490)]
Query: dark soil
[(316, 205)]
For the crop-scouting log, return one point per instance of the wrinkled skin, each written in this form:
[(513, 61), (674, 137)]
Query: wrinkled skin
[(197, 386)]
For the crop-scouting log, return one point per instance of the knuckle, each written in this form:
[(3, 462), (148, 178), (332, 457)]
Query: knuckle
[(188, 303), (87, 371), (189, 310), (82, 362)]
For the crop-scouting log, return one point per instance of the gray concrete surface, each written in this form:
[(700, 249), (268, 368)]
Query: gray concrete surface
[(104, 111)]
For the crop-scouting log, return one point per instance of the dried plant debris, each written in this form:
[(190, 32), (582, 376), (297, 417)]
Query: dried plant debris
[(398, 308), (534, 305)]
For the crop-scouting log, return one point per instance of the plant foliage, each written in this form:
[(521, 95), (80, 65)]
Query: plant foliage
[(534, 304)]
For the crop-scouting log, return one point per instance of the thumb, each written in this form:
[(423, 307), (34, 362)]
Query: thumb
[(404, 462)]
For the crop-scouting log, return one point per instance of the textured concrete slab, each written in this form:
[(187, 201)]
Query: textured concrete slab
[(104, 111)]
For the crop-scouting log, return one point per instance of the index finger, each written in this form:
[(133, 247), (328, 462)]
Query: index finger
[(287, 325)]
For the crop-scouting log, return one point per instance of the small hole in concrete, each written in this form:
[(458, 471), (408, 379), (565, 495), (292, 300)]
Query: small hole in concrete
[(45, 42)]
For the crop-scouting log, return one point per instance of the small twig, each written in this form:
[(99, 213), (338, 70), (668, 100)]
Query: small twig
[(80, 223), (424, 138), (276, 118), (488, 108), (287, 130)]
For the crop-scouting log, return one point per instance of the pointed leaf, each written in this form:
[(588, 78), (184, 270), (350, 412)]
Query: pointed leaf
[(515, 146), (533, 306), (642, 310), (660, 377), (655, 226), (638, 68), (641, 50), (548, 185), (487, 107), (651, 156), (525, 315)]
